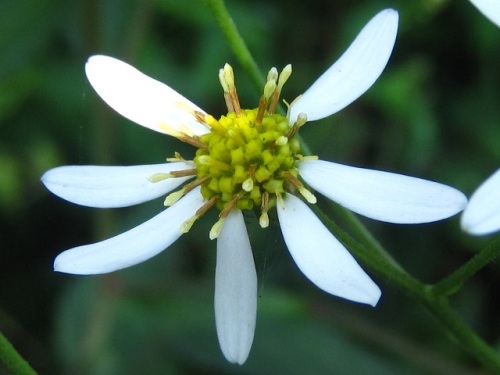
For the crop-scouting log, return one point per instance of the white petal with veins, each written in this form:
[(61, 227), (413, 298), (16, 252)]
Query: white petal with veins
[(321, 257), (140, 98), (134, 246), (353, 73), (235, 289), (482, 214), (383, 196), (111, 186)]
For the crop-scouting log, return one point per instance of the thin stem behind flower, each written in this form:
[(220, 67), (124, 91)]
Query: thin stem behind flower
[(12, 359)]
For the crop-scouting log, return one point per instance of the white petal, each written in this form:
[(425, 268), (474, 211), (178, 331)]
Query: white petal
[(140, 98), (106, 187), (490, 9), (235, 290), (384, 196), (482, 214), (131, 247), (354, 73), (321, 257)]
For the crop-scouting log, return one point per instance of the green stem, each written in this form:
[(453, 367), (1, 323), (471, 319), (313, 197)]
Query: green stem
[(369, 256), (369, 251), (438, 306), (453, 282), (238, 45), (12, 359), (362, 233)]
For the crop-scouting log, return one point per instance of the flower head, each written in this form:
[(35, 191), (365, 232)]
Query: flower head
[(247, 160), (482, 214)]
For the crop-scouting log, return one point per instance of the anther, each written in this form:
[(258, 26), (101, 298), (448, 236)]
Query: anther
[(301, 120), (176, 195), (216, 228), (177, 157), (228, 77), (247, 185), (272, 75), (264, 217), (157, 177), (283, 77), (186, 226), (300, 187)]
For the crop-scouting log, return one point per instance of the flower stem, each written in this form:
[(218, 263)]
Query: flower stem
[(362, 233), (466, 337), (454, 281), (437, 305), (238, 45), (12, 359)]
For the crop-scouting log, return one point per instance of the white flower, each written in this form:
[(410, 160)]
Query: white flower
[(490, 9), (482, 214), (245, 159)]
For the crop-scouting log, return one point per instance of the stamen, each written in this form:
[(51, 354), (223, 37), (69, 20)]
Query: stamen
[(186, 226), (176, 195), (285, 74), (216, 228), (209, 204), (261, 111), (264, 217), (247, 185), (307, 195), (264, 220), (301, 120), (281, 140), (272, 75), (173, 197), (228, 76), (300, 187), (229, 206), (194, 141), (306, 158), (269, 88), (157, 177), (177, 157), (280, 200), (183, 173), (223, 81), (283, 77)]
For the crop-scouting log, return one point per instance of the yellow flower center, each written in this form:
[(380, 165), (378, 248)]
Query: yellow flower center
[(248, 159)]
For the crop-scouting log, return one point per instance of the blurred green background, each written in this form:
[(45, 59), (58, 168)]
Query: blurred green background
[(434, 113)]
